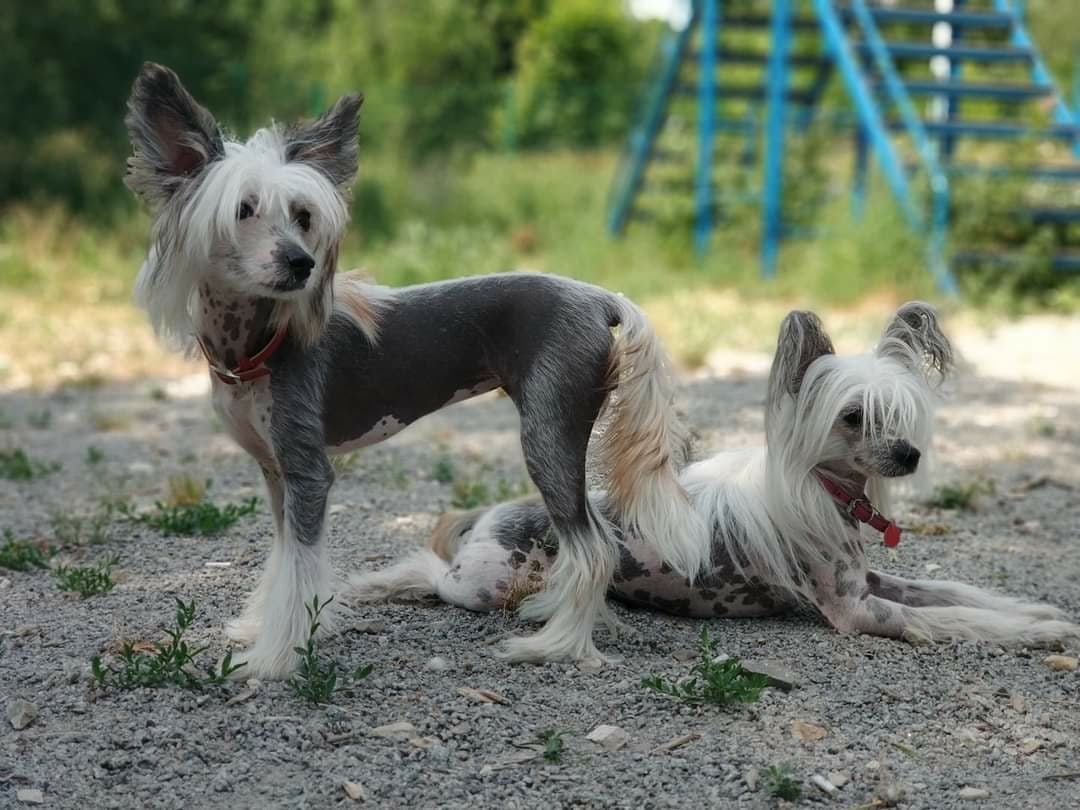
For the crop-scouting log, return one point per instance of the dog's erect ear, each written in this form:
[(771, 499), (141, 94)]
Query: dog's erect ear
[(174, 136), (914, 338), (802, 341), (329, 143)]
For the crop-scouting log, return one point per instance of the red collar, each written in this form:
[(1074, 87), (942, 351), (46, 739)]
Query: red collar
[(863, 511), (249, 368)]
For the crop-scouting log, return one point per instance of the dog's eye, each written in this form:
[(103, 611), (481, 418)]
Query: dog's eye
[(303, 219), (245, 211), (853, 418)]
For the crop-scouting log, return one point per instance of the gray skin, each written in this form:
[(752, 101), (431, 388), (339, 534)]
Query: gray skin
[(545, 340)]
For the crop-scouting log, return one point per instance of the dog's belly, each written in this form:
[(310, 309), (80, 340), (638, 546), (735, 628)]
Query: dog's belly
[(641, 579)]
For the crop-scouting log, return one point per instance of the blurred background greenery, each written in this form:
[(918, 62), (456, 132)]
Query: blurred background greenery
[(489, 136)]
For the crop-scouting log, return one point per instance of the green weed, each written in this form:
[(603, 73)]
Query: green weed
[(169, 663), (18, 555), (15, 465), (469, 493), (94, 455), (781, 783), (81, 530), (88, 580), (316, 680), (443, 470), (961, 495), (552, 740), (720, 684), (184, 515)]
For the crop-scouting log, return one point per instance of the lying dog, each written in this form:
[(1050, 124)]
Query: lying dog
[(305, 362), (786, 517)]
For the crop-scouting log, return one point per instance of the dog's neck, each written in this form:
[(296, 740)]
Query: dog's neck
[(232, 325), (851, 480)]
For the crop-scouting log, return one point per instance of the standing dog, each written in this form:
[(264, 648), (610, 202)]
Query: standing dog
[(305, 362), (786, 517)]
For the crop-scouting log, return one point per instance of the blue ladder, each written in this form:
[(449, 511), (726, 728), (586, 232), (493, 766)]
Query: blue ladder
[(884, 76)]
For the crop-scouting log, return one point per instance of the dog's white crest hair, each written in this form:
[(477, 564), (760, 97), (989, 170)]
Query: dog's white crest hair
[(190, 224), (768, 502)]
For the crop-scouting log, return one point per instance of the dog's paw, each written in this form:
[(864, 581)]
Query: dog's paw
[(243, 630)]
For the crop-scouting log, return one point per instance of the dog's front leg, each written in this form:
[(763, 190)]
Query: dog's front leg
[(298, 569)]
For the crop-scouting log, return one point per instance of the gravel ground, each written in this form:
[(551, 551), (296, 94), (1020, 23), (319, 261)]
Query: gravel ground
[(912, 724)]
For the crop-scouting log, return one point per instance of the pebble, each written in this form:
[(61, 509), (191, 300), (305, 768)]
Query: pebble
[(1029, 745), (612, 738), (437, 664), (685, 654), (395, 731), (779, 676), (21, 713), (355, 791), (824, 785), (838, 778), (752, 778), (30, 796), (590, 665), (974, 793), (1061, 663), (807, 732)]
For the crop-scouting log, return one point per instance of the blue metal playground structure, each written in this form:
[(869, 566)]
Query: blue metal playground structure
[(937, 91)]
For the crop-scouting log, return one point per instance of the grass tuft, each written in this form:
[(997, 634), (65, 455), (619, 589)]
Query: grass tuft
[(89, 580), (18, 555), (15, 465), (552, 740), (720, 684), (187, 512), (316, 680), (781, 783), (961, 495), (169, 663)]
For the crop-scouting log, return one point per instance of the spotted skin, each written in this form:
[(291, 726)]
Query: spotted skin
[(512, 547)]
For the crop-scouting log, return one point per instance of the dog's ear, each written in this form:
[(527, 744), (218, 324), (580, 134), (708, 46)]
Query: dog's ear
[(914, 337), (802, 341), (329, 143), (174, 136)]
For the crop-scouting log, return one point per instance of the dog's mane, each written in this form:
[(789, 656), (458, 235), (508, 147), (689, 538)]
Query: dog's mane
[(189, 223), (767, 505)]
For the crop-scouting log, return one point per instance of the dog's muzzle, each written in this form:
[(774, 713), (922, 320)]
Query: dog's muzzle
[(295, 263)]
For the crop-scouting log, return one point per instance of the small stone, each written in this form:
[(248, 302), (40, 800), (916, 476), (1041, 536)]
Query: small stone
[(612, 738), (21, 713), (932, 567), (371, 628), (685, 654), (423, 743), (873, 765), (1018, 704), (438, 664), (590, 665), (395, 731), (1061, 663), (824, 785), (807, 732), (974, 793), (337, 508), (355, 791), (30, 796), (838, 778), (4, 583), (752, 778), (1029, 745), (483, 695), (779, 676)]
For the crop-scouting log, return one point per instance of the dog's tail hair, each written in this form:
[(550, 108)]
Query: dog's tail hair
[(645, 445), (451, 528), (413, 579)]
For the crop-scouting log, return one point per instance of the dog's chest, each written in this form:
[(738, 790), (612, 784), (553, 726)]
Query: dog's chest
[(245, 412)]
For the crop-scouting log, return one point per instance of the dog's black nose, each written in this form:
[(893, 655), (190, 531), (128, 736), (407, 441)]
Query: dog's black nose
[(299, 261), (906, 455)]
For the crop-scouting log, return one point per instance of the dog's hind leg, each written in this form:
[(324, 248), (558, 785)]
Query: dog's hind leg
[(558, 410), (945, 593)]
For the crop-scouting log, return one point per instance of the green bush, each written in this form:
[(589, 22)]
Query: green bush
[(579, 74)]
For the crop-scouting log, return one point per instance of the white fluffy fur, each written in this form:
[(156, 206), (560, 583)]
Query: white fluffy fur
[(645, 445), (255, 170)]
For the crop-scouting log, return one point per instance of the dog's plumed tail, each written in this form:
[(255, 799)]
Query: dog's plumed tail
[(415, 578), (645, 445)]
